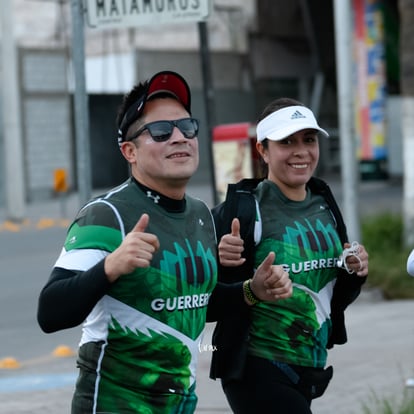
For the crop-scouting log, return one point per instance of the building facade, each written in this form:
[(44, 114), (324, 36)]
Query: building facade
[(257, 50)]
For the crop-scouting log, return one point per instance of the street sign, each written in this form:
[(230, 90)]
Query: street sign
[(132, 13)]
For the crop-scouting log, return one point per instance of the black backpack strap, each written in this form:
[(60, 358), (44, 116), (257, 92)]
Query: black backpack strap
[(235, 193), (230, 334), (239, 203), (319, 186), (347, 287)]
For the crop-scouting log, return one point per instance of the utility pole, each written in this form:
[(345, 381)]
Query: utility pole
[(349, 165), (208, 99), (13, 148), (83, 155)]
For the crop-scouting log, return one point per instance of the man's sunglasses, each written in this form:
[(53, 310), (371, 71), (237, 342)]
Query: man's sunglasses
[(161, 131)]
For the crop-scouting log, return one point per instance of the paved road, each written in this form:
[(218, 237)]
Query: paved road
[(377, 360)]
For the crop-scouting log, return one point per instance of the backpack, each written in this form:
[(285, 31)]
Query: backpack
[(230, 335)]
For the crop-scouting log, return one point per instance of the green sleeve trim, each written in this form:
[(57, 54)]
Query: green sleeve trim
[(92, 237)]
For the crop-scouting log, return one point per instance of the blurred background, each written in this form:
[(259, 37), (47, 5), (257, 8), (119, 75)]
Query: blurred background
[(237, 57)]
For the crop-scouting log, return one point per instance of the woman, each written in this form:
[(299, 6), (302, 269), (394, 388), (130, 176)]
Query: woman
[(273, 358)]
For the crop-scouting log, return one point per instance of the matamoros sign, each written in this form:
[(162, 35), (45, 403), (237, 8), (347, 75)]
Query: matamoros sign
[(130, 13)]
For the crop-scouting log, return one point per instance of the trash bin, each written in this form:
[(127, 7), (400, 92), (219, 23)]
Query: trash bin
[(234, 152)]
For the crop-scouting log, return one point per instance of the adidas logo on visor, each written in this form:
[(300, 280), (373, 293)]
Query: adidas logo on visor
[(297, 115)]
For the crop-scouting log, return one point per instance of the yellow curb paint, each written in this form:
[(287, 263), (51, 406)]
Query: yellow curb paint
[(64, 222), (45, 223), (63, 351), (9, 363), (10, 226)]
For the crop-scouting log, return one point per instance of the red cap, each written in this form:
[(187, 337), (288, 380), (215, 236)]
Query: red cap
[(173, 83), (162, 82)]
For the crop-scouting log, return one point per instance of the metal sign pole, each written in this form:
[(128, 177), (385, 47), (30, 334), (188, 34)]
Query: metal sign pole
[(349, 167), (81, 104), (208, 99), (13, 146)]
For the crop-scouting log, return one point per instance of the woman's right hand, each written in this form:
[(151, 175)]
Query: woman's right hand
[(231, 247)]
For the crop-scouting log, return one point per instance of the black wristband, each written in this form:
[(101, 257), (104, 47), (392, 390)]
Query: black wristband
[(250, 296)]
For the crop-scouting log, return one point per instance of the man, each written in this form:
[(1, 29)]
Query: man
[(139, 267)]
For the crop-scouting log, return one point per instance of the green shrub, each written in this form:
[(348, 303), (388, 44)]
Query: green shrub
[(382, 236), (377, 405)]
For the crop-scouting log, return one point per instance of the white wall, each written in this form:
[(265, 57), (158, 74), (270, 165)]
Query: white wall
[(46, 119)]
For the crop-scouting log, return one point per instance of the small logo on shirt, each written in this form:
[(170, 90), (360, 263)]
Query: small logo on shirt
[(155, 198)]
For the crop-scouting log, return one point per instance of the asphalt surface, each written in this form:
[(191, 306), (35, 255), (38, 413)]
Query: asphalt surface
[(376, 363)]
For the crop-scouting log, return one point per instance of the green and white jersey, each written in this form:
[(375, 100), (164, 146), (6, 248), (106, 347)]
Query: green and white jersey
[(143, 336), (304, 238)]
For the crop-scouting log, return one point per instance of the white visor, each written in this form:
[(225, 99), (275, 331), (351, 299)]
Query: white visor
[(285, 122)]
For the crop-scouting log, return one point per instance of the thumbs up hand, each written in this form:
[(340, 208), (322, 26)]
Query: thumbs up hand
[(136, 250), (231, 247), (270, 282)]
